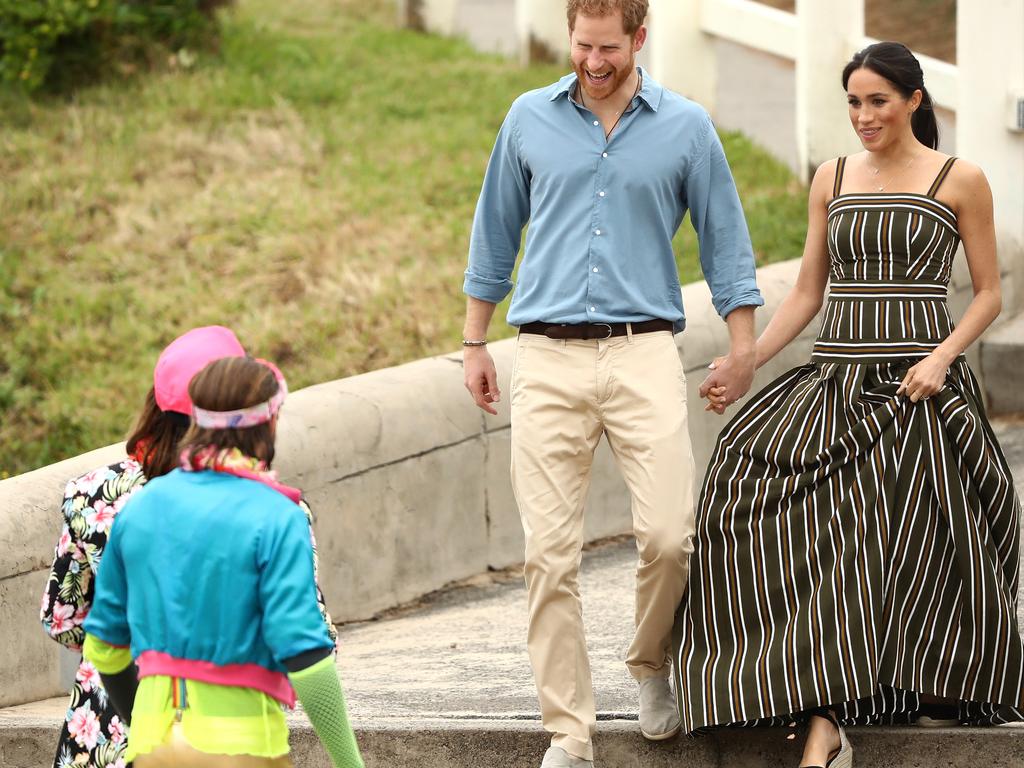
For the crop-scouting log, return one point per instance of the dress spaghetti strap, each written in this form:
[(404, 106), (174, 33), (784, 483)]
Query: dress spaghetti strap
[(838, 183), (943, 173)]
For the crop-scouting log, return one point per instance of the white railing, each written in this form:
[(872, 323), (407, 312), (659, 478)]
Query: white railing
[(754, 25), (763, 28), (941, 77)]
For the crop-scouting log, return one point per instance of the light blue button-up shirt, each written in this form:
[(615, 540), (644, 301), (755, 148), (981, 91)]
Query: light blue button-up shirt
[(602, 213)]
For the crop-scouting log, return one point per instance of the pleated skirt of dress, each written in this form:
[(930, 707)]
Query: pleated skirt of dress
[(853, 549)]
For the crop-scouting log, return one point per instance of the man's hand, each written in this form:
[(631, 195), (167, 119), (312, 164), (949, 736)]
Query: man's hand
[(480, 377), (729, 380)]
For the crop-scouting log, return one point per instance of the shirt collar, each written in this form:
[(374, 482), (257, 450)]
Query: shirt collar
[(650, 94)]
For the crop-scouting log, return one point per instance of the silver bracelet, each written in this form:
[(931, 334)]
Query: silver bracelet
[(472, 343)]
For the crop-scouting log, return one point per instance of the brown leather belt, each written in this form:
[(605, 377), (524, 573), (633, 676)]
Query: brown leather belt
[(593, 330)]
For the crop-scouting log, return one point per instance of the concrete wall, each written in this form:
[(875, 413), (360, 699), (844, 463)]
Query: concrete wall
[(984, 129), (756, 95), (489, 25), (437, 16), (543, 30)]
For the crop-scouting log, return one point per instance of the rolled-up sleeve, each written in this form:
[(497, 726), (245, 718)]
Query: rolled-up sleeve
[(726, 255), (501, 213)]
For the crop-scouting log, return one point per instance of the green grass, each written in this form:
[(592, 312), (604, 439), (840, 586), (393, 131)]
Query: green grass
[(312, 186)]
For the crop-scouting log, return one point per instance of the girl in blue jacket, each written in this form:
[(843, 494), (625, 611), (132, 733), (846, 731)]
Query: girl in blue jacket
[(208, 585)]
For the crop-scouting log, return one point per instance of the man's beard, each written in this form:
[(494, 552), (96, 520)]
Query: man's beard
[(612, 85)]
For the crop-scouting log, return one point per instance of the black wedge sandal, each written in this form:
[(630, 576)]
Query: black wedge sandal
[(938, 715)]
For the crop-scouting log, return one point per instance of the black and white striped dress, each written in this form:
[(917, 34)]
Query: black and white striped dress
[(853, 548)]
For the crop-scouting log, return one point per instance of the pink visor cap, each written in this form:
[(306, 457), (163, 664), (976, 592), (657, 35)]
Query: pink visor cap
[(186, 356)]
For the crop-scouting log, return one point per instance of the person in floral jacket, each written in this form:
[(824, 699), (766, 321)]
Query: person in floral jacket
[(93, 735)]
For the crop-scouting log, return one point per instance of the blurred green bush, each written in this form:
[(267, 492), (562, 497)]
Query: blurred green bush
[(56, 44)]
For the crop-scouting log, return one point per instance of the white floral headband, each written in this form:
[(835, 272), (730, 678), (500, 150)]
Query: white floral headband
[(241, 418)]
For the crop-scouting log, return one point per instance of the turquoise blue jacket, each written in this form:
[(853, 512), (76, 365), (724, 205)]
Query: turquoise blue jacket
[(209, 576)]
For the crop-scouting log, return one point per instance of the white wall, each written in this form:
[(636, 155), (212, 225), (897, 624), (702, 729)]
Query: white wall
[(756, 95), (682, 57), (543, 30), (990, 57), (489, 25)]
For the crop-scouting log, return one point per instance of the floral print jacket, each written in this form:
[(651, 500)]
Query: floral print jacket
[(93, 736)]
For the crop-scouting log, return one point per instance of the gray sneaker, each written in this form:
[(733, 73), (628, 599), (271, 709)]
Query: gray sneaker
[(556, 757), (659, 717)]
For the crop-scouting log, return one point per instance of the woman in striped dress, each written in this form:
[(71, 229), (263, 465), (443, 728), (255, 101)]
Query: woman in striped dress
[(856, 550)]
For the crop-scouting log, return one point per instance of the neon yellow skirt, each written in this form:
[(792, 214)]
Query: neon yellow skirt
[(176, 752), (218, 720), (220, 725)]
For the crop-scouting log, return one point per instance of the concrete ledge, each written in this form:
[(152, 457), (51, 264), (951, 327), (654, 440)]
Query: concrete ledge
[(515, 745), (30, 512), (1002, 366), (28, 741)]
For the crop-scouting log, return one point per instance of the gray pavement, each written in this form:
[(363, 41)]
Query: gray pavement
[(447, 684)]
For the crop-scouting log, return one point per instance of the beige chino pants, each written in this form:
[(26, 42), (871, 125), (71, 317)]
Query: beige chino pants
[(564, 396)]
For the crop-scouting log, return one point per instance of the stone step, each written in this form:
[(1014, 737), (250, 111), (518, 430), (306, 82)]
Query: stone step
[(28, 737)]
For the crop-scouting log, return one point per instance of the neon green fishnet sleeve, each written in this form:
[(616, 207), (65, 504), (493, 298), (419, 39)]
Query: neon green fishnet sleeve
[(319, 690), (108, 659)]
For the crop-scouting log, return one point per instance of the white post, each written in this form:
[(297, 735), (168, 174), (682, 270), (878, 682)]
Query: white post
[(682, 56), (438, 16), (990, 58), (543, 30), (829, 34)]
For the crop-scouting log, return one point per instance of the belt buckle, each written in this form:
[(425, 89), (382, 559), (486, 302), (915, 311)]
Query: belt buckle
[(606, 336)]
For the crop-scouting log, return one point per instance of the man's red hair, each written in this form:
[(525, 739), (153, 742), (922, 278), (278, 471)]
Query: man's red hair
[(633, 11)]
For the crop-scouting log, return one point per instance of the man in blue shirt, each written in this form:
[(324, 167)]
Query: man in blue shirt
[(604, 165)]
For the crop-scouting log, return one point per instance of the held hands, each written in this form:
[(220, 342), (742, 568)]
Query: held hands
[(924, 379), (729, 380), (480, 377)]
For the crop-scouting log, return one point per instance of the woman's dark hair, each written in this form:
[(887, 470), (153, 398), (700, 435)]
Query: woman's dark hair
[(156, 437), (229, 384), (896, 63)]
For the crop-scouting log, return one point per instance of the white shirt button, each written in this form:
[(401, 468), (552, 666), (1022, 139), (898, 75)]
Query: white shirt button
[(604, 154), (597, 231), (601, 193), (593, 309), (596, 122), (595, 269)]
